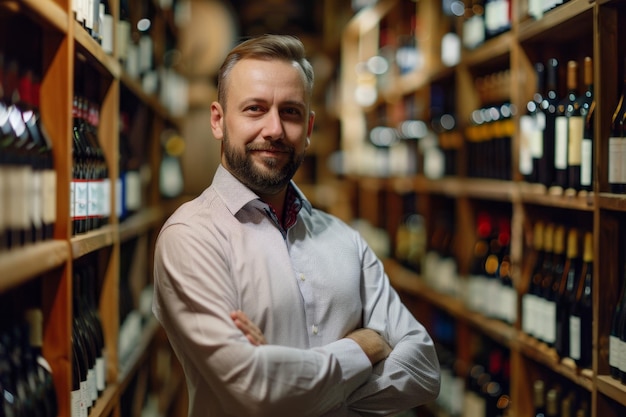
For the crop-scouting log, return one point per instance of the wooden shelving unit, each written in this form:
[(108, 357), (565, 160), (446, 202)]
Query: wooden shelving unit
[(570, 31), (65, 44)]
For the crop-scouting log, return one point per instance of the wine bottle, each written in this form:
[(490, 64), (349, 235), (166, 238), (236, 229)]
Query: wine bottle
[(550, 285), (562, 125), (477, 281), (530, 321), (492, 266), (531, 126), (78, 186), (617, 146), (576, 132), (76, 396), (552, 403), (90, 279), (546, 276), (107, 26), (621, 331), (79, 351), (581, 316), (86, 341), (563, 299), (587, 112), (39, 366), (614, 337), (539, 398), (548, 107), (49, 175)]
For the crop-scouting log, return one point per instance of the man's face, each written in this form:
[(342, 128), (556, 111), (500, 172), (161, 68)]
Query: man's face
[(266, 125)]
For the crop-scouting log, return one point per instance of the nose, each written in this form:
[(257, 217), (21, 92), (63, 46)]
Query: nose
[(273, 128)]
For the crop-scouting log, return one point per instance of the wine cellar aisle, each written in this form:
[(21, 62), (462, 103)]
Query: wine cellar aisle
[(478, 144), (499, 184), (85, 115)]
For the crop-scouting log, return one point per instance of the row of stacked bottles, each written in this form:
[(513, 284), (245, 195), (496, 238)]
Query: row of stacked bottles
[(557, 307), (26, 384), (88, 345), (474, 387), (557, 129), (27, 176)]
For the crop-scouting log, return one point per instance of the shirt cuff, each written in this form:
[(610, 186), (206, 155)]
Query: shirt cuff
[(355, 365)]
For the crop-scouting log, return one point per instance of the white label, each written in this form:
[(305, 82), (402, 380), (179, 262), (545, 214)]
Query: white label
[(614, 358), (100, 373), (574, 337), (80, 199), (622, 356), (586, 163), (550, 322), (560, 142), (76, 403), (509, 304), (575, 137), (527, 127), (615, 160)]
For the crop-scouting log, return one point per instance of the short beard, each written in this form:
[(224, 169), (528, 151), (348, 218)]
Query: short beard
[(269, 182)]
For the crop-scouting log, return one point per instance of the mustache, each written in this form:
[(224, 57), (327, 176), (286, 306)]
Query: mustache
[(276, 147)]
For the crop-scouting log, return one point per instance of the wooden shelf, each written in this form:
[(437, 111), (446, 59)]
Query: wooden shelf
[(47, 13), (612, 388), (22, 264), (92, 241), (89, 49), (558, 24)]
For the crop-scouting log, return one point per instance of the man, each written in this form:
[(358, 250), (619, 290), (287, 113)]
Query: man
[(275, 308)]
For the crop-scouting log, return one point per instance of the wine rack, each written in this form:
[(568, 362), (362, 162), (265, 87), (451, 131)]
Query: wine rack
[(571, 31), (65, 49)]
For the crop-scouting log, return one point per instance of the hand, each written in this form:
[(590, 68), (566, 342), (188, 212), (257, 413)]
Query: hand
[(249, 329), (374, 346)]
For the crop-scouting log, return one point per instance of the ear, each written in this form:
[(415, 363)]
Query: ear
[(217, 120), (310, 128)]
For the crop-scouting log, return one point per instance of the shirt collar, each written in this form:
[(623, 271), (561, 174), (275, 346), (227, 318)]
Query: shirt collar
[(236, 195)]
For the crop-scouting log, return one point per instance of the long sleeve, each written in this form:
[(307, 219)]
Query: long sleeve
[(410, 375)]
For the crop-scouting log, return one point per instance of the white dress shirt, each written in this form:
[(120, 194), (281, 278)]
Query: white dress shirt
[(306, 288)]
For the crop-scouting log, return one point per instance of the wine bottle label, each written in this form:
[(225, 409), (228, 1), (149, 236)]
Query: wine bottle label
[(93, 203), (615, 160), (509, 304), (133, 190), (550, 322), (622, 355), (36, 198), (76, 405), (93, 383), (574, 140), (106, 29), (614, 352), (574, 337), (49, 199), (560, 142), (527, 127), (84, 395), (586, 150), (100, 374), (476, 292), (105, 188), (80, 199)]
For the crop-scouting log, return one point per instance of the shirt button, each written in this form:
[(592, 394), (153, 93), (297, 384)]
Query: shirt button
[(302, 278), (314, 328)]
